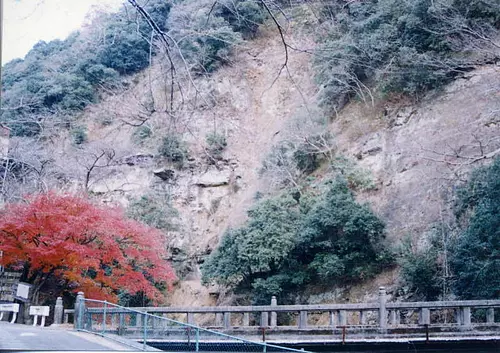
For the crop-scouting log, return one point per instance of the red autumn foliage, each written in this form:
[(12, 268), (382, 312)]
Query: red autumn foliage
[(85, 247)]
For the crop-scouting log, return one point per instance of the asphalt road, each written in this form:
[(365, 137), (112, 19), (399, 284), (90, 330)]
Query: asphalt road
[(23, 337)]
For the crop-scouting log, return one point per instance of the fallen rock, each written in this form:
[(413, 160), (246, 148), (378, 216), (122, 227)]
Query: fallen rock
[(213, 178), (137, 159), (165, 174)]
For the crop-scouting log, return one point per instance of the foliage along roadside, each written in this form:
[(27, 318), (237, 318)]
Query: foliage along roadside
[(62, 242)]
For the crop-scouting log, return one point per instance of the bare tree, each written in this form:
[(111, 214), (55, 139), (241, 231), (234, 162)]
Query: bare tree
[(28, 168)]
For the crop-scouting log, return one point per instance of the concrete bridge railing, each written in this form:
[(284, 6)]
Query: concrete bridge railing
[(380, 315)]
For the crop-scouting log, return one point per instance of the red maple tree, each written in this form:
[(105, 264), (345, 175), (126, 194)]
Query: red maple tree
[(84, 247)]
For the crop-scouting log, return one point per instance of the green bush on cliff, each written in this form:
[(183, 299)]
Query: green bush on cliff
[(290, 241), (405, 46), (472, 246), (475, 258)]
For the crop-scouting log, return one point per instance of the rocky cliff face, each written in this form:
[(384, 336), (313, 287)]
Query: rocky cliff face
[(415, 152), (418, 152)]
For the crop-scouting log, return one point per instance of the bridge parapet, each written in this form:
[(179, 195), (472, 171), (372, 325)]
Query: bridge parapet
[(381, 315)]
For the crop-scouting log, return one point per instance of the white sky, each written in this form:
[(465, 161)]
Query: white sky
[(28, 21)]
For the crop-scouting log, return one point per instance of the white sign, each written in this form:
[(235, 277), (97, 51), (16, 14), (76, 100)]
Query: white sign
[(39, 310), (10, 307), (14, 308), (23, 290)]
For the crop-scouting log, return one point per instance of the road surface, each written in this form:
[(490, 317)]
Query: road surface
[(23, 337)]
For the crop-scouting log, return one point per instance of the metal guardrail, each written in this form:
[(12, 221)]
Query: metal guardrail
[(104, 318)]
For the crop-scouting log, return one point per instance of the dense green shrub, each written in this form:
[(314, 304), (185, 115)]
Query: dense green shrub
[(173, 149), (79, 135), (123, 49), (244, 16), (98, 74), (62, 77), (66, 92), (125, 46), (405, 46), (247, 257), (290, 241), (473, 252), (342, 235), (216, 144), (141, 134), (206, 41), (420, 270), (289, 160), (476, 254), (154, 210)]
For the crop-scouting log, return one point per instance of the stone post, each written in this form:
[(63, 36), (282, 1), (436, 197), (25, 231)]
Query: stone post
[(332, 319), (458, 316), (425, 316), (490, 315), (274, 317), (362, 318), (246, 319), (227, 320), (79, 311), (264, 319), (138, 320), (466, 320), (121, 324), (114, 321), (190, 318), (58, 311), (342, 318), (218, 319), (302, 319), (382, 311)]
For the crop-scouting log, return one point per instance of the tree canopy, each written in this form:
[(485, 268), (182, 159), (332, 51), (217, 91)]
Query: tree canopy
[(476, 254), (472, 245), (292, 240), (84, 246), (407, 46)]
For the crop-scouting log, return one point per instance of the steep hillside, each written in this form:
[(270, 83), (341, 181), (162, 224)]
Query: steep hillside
[(251, 105), (415, 153), (418, 152), (360, 114)]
